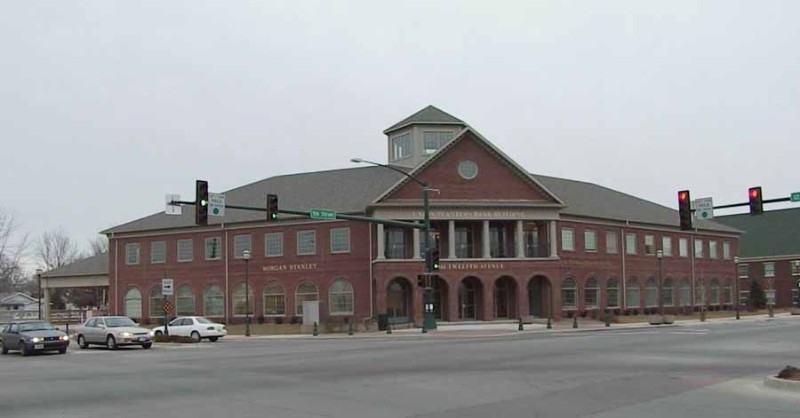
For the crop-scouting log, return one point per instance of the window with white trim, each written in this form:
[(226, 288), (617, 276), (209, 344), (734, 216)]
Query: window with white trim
[(683, 247), (698, 248), (712, 249), (769, 269), (132, 253), (666, 246), (569, 294), (241, 243), (744, 270), (795, 265), (274, 300), (567, 239), (433, 140), (213, 248), (612, 293), (340, 240), (650, 245), (185, 250), (630, 243), (650, 292), (401, 146), (632, 294), (306, 242), (590, 240), (158, 252), (591, 293), (273, 244), (726, 250), (340, 296), (611, 242)]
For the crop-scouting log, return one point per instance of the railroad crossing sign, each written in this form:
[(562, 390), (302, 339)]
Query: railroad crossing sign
[(704, 208)]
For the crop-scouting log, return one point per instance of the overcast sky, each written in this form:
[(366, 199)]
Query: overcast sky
[(105, 106)]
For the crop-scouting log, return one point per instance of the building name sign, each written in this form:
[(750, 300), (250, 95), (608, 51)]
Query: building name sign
[(471, 214), (472, 266), (290, 267), (587, 263)]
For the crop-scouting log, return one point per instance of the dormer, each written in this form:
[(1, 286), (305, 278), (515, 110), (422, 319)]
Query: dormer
[(412, 140)]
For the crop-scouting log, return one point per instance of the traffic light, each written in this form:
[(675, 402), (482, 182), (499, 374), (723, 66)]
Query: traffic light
[(685, 210), (433, 258), (272, 207), (201, 202), (421, 280), (756, 200)]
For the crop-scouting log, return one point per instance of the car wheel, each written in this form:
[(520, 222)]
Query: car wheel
[(3, 349), (147, 345), (24, 350), (213, 339), (111, 342), (195, 336), (62, 350), (82, 342), (158, 333)]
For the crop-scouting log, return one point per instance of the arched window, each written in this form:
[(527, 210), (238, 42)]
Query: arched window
[(650, 292), (668, 289), (306, 291), (133, 303), (612, 293), (685, 293), (591, 293), (156, 302), (632, 294), (340, 297), (274, 300), (213, 301), (242, 299), (714, 297), (569, 294), (184, 300), (727, 292), (699, 293)]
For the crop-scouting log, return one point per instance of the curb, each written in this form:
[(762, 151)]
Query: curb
[(782, 384)]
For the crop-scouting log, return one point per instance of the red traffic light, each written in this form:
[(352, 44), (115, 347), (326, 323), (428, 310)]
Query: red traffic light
[(683, 195), (754, 192)]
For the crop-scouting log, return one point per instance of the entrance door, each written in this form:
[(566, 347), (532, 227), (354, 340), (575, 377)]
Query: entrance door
[(399, 301), (469, 294), (440, 298), (537, 296)]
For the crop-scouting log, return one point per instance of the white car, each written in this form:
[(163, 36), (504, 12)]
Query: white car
[(196, 327)]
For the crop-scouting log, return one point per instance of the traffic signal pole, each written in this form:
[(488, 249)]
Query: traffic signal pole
[(428, 317)]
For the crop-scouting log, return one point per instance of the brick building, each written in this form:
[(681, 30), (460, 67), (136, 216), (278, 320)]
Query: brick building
[(513, 244)]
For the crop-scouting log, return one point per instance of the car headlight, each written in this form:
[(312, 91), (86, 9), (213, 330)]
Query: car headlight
[(65, 338), (126, 335), (36, 339)]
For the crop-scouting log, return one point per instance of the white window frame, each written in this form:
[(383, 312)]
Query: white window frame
[(567, 238), (611, 242), (342, 240), (794, 266), (698, 249), (132, 253), (240, 243), (270, 239), (630, 249), (209, 240), (769, 269), (712, 249), (154, 251), (649, 244), (400, 151), (726, 250), (590, 240), (182, 251), (300, 241), (666, 246), (743, 267), (348, 293), (683, 247)]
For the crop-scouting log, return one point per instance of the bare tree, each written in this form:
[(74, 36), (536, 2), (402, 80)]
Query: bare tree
[(11, 249), (98, 245), (55, 249)]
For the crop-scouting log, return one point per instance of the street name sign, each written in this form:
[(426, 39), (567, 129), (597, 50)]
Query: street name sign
[(171, 209), (795, 197), (166, 287), (216, 204), (704, 208), (322, 214)]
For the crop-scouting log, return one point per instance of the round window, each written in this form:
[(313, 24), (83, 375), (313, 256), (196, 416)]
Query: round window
[(468, 169)]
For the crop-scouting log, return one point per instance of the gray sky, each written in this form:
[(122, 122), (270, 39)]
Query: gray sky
[(105, 106)]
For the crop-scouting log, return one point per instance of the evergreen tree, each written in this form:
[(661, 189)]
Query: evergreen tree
[(758, 299)]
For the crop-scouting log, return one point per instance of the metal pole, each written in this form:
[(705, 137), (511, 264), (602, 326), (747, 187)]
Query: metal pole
[(660, 290), (736, 283), (246, 297), (39, 276), (428, 318)]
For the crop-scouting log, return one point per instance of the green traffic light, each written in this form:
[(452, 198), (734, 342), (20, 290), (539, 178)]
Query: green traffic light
[(204, 203)]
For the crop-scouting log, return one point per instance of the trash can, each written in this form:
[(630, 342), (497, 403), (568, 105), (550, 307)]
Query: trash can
[(383, 322)]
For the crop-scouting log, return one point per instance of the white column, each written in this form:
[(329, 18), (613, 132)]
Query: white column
[(451, 239), (381, 243), (553, 239), (416, 255), (486, 240), (519, 240)]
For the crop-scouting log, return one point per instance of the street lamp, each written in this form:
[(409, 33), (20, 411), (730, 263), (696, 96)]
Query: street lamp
[(660, 256), (39, 277), (736, 283), (428, 318), (246, 256)]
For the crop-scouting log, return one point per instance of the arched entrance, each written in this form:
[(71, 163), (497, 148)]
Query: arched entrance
[(470, 299), (399, 301), (440, 298), (539, 291), (505, 298)]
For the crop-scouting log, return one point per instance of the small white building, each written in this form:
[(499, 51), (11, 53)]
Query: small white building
[(18, 305)]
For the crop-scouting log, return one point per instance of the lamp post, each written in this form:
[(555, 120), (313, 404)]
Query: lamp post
[(246, 256), (736, 283), (660, 256), (39, 277), (428, 317)]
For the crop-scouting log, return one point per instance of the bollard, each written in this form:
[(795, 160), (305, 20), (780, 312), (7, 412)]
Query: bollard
[(316, 330), (520, 327), (608, 319), (575, 321), (67, 331), (389, 328), (349, 329), (771, 311), (549, 323)]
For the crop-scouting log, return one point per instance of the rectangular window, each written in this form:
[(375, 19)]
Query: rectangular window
[(158, 252), (726, 250), (611, 242), (500, 242), (132, 253), (433, 140), (683, 247), (340, 240), (213, 248), (795, 264), (698, 248), (744, 270), (630, 243), (712, 249), (185, 250), (666, 246), (590, 240), (769, 269), (273, 244), (534, 247), (395, 243), (306, 242), (401, 146), (241, 243), (567, 239), (649, 244)]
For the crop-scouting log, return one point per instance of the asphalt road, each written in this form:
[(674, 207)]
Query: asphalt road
[(703, 370)]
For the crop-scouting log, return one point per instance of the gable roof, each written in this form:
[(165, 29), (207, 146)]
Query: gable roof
[(430, 115), (16, 298), (89, 266), (773, 233)]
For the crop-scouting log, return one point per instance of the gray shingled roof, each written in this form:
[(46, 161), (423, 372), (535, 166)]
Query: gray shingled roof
[(428, 116), (773, 233), (94, 265)]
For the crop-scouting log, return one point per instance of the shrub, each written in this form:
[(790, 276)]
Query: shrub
[(172, 339), (260, 319), (279, 320)]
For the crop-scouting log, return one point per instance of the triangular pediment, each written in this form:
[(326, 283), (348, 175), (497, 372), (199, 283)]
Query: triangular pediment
[(497, 179)]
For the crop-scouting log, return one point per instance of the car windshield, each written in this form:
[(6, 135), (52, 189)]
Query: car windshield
[(35, 326), (202, 320), (119, 322)]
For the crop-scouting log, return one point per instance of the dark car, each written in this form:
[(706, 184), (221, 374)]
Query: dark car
[(31, 336)]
